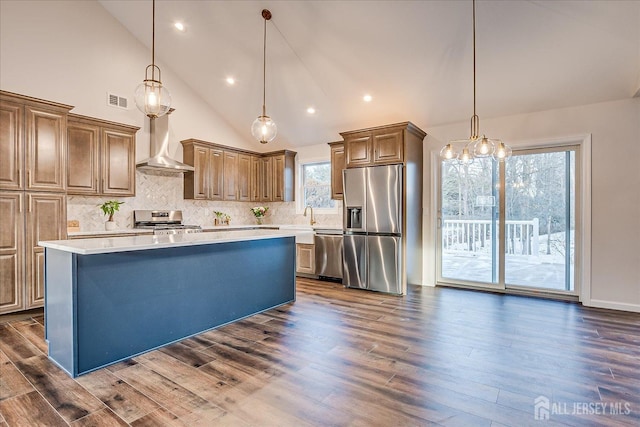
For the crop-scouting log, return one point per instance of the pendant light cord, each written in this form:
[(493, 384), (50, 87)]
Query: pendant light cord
[(475, 120), (153, 40), (474, 57), (264, 70)]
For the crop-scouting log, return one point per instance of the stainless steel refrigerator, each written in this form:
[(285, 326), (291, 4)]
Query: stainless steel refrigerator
[(373, 240)]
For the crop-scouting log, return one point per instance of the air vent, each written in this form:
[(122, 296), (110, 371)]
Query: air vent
[(116, 101)]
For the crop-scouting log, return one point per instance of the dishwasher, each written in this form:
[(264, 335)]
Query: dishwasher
[(328, 251)]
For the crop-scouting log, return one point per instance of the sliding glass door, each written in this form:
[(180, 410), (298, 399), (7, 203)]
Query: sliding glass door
[(540, 220), (469, 221), (525, 242)]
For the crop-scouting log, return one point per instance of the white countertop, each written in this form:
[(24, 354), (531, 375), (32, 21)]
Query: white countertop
[(119, 232), (304, 233), (137, 243), (127, 231)]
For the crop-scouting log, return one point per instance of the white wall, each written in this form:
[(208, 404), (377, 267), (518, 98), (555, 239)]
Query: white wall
[(74, 52), (615, 197)]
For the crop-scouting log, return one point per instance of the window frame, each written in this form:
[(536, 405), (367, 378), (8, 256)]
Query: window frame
[(582, 272), (300, 204)]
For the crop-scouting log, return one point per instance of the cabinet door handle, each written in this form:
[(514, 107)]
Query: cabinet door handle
[(28, 178), (103, 184), (20, 178), (20, 204), (30, 202), (97, 189)]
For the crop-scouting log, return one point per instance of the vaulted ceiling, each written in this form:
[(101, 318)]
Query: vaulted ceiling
[(413, 57)]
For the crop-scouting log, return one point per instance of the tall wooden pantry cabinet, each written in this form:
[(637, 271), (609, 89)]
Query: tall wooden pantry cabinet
[(32, 194)]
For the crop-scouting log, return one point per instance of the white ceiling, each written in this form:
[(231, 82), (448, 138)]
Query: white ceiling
[(413, 57)]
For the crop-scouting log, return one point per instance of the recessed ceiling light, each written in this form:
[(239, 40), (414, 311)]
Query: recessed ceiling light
[(311, 110), (367, 98), (231, 81), (179, 26)]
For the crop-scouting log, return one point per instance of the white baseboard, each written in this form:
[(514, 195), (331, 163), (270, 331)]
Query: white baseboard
[(612, 305)]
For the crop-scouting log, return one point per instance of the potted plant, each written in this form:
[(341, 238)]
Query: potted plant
[(110, 208), (259, 212), (221, 218)]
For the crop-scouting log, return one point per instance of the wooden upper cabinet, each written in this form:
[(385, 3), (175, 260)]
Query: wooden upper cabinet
[(11, 145), (216, 174), (46, 220), (391, 144), (206, 182), (196, 183), (12, 294), (244, 177), (118, 162), (83, 158), (230, 179), (388, 147), (265, 183), (32, 143), (100, 157), (45, 159), (337, 166), (278, 181), (283, 176), (256, 167), (234, 174), (358, 150)]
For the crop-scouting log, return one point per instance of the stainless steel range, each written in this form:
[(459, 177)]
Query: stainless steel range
[(163, 222)]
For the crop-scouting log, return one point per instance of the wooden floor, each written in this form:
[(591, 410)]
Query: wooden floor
[(340, 357)]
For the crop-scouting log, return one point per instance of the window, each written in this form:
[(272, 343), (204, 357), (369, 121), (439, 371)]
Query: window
[(316, 186)]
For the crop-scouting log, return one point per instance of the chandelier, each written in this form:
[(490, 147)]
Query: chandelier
[(476, 145)]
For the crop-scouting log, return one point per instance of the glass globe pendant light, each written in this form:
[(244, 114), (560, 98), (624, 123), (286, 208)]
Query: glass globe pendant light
[(502, 151), (475, 145), (263, 128), (151, 97), (448, 152)]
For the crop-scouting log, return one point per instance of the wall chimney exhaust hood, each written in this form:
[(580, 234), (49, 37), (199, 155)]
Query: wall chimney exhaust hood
[(159, 148)]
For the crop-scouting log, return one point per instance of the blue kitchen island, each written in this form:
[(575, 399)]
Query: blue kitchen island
[(109, 299)]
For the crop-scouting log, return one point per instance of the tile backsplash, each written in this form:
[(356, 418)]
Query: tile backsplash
[(161, 190)]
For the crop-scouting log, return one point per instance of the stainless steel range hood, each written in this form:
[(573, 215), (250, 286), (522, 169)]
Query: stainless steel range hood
[(159, 148)]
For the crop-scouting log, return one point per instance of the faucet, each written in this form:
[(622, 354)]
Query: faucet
[(311, 220)]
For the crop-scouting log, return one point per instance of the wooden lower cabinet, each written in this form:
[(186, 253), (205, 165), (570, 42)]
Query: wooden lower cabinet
[(11, 251), (27, 218), (305, 258), (45, 220)]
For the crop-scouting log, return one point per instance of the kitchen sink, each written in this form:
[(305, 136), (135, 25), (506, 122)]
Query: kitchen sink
[(304, 233)]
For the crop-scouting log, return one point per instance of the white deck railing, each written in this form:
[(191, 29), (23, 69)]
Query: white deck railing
[(460, 235)]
